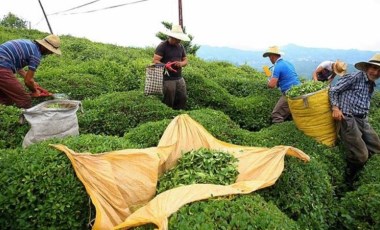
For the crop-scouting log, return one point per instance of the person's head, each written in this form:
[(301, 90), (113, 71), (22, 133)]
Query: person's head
[(176, 35), (339, 68), (371, 67), (50, 44), (273, 53)]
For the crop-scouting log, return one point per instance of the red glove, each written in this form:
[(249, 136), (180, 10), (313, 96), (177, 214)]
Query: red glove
[(169, 67), (40, 92)]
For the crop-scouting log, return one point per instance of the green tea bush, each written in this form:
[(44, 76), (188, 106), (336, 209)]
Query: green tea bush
[(373, 117), (78, 86), (116, 113), (286, 133), (147, 134), (240, 212), (40, 189), (251, 113), (304, 192), (360, 209), (244, 86), (219, 125), (11, 131), (370, 174), (204, 92)]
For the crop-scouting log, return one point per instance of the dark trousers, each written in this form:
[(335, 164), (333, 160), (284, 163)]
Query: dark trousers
[(361, 141), (281, 111), (359, 138), (175, 93), (11, 90)]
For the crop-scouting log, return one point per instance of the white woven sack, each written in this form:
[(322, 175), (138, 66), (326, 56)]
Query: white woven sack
[(154, 80), (54, 118)]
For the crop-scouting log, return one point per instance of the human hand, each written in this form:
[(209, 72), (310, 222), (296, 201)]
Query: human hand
[(177, 64), (337, 114), (36, 93), (169, 67)]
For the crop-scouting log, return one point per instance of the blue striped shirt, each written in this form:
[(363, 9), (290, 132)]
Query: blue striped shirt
[(16, 54), (352, 94)]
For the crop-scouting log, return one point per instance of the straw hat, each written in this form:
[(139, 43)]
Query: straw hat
[(177, 32), (273, 50), (340, 68), (52, 43), (375, 60)]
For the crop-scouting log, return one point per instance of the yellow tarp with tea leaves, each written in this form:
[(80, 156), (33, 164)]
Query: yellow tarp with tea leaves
[(312, 115), (122, 181)]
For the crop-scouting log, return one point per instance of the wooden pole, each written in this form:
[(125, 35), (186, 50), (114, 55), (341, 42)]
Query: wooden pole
[(51, 31), (180, 13)]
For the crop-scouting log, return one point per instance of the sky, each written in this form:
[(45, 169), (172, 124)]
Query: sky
[(240, 24)]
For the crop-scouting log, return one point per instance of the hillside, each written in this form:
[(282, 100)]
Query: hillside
[(304, 59), (42, 191)]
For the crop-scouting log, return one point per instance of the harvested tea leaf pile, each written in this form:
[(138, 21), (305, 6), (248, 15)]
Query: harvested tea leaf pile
[(59, 105), (306, 87), (201, 166)]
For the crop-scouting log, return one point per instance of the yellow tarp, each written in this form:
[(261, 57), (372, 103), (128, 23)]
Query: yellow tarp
[(119, 182), (312, 115)]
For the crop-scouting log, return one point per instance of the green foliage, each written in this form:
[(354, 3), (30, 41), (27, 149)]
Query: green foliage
[(304, 193), (117, 113), (287, 134), (306, 87), (251, 113), (204, 92), (240, 212), (243, 87), (360, 209), (40, 189), (11, 131), (147, 134), (202, 166), (370, 173), (12, 21), (219, 125)]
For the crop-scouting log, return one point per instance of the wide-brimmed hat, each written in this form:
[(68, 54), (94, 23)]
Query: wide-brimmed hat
[(375, 60), (177, 32), (340, 68), (273, 50), (52, 43)]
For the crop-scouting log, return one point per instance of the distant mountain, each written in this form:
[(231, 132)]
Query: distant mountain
[(304, 59)]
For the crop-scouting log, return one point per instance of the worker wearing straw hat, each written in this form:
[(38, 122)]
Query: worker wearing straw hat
[(283, 76), (172, 53), (350, 100), (327, 70), (14, 56)]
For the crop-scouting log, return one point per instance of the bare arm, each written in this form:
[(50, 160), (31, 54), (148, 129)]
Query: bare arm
[(157, 59), (272, 83), (29, 81), (316, 72), (181, 63)]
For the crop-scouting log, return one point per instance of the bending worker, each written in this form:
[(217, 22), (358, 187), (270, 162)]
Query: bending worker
[(14, 56)]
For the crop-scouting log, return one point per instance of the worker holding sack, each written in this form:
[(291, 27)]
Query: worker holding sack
[(350, 100), (327, 70), (283, 76), (14, 56), (172, 53)]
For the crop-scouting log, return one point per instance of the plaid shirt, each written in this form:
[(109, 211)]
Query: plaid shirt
[(352, 93)]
